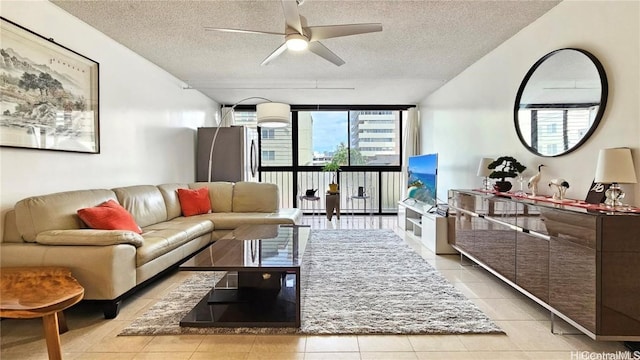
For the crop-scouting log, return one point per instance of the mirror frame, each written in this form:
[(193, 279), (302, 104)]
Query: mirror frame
[(604, 84)]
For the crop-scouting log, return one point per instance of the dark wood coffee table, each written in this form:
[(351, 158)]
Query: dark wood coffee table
[(263, 280)]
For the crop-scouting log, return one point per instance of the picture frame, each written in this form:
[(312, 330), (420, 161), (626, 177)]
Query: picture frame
[(50, 94), (596, 193)]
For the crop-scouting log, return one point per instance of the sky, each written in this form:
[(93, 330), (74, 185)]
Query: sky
[(329, 130)]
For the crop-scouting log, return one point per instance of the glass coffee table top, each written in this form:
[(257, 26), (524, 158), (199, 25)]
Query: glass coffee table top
[(253, 246)]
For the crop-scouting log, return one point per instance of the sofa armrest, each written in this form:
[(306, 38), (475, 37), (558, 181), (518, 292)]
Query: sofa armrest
[(89, 237), (105, 272)]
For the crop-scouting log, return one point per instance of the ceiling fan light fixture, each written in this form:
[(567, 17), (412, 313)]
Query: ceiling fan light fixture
[(297, 42), (299, 37)]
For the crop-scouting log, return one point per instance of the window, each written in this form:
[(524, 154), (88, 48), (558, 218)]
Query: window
[(320, 136), (355, 138), (365, 142), (278, 145), (268, 133), (268, 155), (247, 118), (375, 137)]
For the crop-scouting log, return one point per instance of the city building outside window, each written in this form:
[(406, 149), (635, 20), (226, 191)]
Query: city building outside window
[(268, 133), (268, 155)]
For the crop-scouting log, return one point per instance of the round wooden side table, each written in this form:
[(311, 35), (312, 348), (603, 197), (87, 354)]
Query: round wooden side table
[(30, 292)]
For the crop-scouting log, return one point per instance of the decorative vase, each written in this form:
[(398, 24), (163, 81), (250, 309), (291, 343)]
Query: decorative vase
[(333, 188), (502, 186)]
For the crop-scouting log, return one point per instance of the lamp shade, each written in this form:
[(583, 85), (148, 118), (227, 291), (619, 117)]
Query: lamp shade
[(615, 166), (271, 114), (483, 167)]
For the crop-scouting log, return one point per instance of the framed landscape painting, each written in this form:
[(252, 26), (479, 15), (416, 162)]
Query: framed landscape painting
[(49, 94)]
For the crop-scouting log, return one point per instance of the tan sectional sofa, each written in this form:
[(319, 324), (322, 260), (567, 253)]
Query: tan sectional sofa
[(111, 264)]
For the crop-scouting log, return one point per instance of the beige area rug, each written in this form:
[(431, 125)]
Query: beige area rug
[(359, 282)]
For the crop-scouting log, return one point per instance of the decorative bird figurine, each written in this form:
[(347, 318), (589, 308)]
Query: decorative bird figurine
[(561, 186), (534, 180)]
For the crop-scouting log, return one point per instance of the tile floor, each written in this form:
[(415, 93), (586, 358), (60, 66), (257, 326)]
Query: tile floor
[(526, 325)]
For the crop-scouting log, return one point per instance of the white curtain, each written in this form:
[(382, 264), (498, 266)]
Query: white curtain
[(410, 143)]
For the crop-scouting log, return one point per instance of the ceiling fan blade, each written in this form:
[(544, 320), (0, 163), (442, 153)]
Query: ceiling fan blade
[(274, 54), (317, 48), (332, 31), (291, 15), (207, 28)]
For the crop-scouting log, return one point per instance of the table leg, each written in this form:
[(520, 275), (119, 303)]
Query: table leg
[(313, 211), (52, 336), (62, 323), (353, 214)]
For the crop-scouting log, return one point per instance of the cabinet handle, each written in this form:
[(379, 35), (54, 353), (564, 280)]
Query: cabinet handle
[(535, 234), (252, 158), (511, 226)]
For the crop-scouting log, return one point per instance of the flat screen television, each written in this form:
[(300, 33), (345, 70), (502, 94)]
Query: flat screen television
[(422, 178)]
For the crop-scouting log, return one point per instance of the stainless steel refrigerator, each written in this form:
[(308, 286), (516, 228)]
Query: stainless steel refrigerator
[(235, 154)]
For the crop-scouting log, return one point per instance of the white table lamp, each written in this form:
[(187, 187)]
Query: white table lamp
[(615, 166), (484, 171)]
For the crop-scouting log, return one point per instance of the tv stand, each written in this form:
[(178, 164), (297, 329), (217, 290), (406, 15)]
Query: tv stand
[(428, 228)]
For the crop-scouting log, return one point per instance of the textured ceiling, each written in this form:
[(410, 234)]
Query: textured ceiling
[(423, 45)]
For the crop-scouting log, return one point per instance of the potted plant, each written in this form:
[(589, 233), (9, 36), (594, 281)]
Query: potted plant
[(334, 167), (505, 167)]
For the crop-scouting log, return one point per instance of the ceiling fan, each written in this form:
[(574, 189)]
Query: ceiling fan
[(298, 36)]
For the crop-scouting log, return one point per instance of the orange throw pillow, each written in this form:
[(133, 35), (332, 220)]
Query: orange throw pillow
[(109, 216), (194, 201)]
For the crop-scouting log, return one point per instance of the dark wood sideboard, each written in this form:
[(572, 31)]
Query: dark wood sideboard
[(582, 265)]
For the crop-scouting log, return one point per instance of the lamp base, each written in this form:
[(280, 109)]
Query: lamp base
[(614, 195), (486, 184)]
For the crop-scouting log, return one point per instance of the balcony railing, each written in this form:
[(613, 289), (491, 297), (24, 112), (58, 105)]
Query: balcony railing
[(382, 188)]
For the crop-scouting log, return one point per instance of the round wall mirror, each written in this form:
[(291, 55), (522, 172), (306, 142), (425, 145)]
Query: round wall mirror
[(560, 102)]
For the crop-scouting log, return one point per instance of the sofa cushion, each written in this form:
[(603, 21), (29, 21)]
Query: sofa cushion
[(144, 202), (55, 211), (194, 201), (229, 221), (255, 197), (163, 237), (170, 194), (220, 194), (89, 237), (109, 216), (193, 226)]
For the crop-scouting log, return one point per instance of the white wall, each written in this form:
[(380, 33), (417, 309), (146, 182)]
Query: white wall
[(472, 116), (147, 121)]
